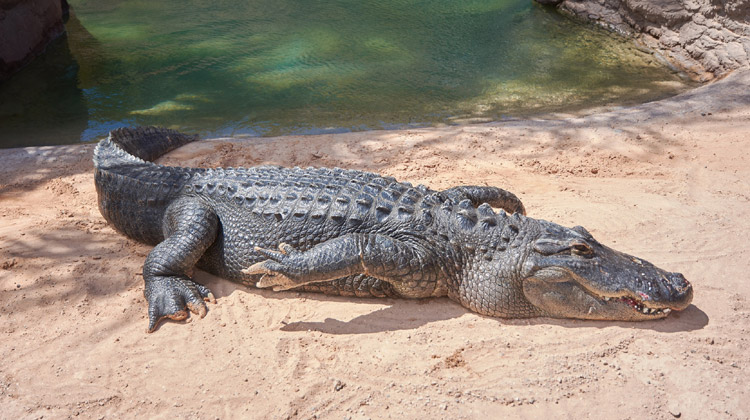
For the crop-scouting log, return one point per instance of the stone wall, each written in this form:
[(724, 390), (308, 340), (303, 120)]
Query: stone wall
[(705, 38), (26, 27)]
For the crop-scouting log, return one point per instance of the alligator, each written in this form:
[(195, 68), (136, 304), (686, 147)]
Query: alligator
[(354, 233)]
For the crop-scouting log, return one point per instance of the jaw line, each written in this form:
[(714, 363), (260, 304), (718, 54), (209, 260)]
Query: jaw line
[(635, 304)]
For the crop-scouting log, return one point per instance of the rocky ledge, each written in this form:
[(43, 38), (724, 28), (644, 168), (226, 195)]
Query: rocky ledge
[(705, 38)]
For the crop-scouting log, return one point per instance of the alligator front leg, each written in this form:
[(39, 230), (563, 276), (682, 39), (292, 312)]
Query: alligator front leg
[(190, 228), (407, 266), (495, 197)]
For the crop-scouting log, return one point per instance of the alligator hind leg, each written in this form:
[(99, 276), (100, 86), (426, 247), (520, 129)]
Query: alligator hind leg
[(408, 267), (495, 197), (190, 228)]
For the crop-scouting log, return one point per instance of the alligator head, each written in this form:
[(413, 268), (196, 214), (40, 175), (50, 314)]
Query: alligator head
[(569, 274)]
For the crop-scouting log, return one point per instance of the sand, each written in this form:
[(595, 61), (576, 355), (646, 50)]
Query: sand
[(667, 181)]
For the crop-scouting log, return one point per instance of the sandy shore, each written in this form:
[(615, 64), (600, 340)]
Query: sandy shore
[(666, 181)]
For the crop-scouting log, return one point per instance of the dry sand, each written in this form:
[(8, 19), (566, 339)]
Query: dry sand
[(667, 181)]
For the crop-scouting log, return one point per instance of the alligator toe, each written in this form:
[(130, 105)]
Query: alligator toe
[(173, 297)]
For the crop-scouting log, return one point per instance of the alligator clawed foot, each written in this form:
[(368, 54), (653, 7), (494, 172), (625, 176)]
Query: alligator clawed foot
[(271, 277), (274, 271), (173, 297)]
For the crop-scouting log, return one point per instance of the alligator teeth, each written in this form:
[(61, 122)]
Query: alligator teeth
[(638, 306)]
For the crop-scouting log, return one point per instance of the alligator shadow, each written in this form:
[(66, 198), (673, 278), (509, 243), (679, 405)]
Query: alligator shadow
[(690, 319), (404, 314), (400, 316)]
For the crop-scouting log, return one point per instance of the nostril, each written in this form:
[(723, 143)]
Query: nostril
[(683, 289), (687, 297), (679, 281)]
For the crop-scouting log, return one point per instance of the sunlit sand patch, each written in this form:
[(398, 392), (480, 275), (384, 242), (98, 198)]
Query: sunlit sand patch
[(303, 74), (212, 45), (304, 47), (381, 45), (304, 60), (516, 98), (474, 7), (181, 102), (192, 97), (669, 84), (288, 54), (119, 32), (164, 108)]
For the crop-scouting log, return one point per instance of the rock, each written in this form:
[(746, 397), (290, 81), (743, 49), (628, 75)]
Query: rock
[(690, 32), (669, 39), (705, 38), (737, 51), (738, 9), (338, 385), (26, 28), (669, 12)]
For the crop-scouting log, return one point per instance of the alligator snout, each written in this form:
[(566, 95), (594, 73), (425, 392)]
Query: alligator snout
[(681, 291)]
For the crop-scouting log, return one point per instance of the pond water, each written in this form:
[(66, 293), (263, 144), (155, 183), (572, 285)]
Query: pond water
[(274, 67)]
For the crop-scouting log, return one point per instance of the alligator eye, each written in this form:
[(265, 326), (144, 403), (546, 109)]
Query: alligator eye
[(581, 249)]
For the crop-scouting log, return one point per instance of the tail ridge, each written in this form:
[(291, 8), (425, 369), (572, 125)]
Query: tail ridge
[(148, 143)]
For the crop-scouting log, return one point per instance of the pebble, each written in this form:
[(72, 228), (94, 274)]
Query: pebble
[(674, 410), (338, 385)]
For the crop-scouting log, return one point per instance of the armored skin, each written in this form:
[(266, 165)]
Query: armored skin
[(354, 233)]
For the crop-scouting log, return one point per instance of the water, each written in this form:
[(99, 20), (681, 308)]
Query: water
[(274, 67)]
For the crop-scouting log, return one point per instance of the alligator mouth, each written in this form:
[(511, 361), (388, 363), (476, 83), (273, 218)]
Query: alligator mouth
[(637, 305), (555, 288), (634, 303)]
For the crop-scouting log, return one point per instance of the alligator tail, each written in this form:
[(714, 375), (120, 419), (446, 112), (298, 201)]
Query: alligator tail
[(134, 192), (144, 143)]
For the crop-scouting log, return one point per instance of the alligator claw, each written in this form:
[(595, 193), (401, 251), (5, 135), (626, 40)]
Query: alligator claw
[(274, 270), (287, 249), (271, 277), (173, 297), (277, 282)]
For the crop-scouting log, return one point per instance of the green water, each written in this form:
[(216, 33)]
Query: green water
[(274, 67)]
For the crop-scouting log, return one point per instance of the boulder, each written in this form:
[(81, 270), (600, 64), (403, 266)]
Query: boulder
[(26, 28)]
